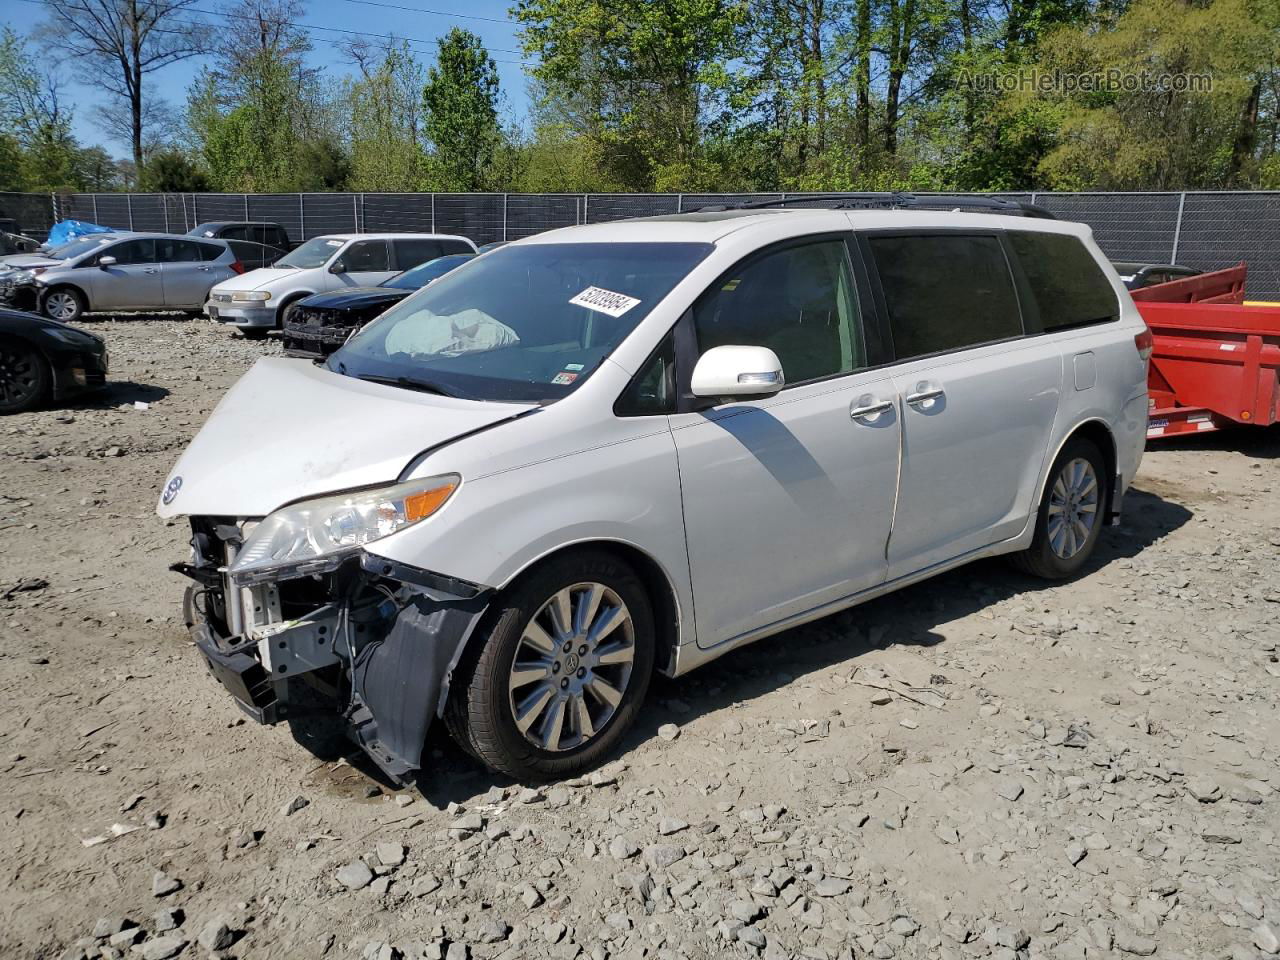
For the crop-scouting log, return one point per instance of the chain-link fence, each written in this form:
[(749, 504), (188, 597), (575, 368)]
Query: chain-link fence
[(1204, 230)]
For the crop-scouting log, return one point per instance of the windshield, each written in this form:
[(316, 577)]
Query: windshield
[(316, 252), (424, 273), (524, 323), (81, 245)]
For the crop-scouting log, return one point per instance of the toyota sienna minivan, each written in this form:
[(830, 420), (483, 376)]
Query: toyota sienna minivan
[(622, 448)]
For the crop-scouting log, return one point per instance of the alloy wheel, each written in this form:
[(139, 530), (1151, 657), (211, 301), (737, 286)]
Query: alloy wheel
[(572, 667), (19, 375), (1073, 508), (61, 305)]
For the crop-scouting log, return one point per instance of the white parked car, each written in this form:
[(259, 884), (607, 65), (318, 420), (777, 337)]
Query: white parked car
[(619, 448), (256, 302)]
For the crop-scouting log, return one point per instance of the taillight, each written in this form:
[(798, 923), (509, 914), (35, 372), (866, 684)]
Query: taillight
[(237, 267), (1145, 343)]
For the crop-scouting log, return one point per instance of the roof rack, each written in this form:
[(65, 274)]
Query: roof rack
[(897, 201)]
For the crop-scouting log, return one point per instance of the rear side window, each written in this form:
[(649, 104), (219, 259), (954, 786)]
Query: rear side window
[(211, 251), (945, 292), (455, 246), (799, 301), (410, 253), (1070, 288)]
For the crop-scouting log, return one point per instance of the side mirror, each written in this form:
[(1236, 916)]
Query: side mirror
[(338, 267), (737, 372), (107, 261)]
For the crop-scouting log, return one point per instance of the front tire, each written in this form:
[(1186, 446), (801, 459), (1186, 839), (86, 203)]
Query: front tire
[(1071, 515), (64, 304), (25, 379), (561, 670)]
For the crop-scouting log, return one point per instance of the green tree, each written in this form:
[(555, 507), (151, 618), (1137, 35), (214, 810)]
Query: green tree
[(169, 171), (645, 79), (460, 113), (384, 111)]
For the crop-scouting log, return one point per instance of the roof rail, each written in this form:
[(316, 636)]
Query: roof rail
[(897, 201)]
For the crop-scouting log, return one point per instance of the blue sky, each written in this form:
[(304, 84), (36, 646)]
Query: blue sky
[(414, 22)]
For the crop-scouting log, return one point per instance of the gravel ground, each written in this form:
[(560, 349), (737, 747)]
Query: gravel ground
[(982, 765)]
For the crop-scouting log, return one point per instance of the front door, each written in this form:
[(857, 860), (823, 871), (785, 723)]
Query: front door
[(365, 263), (132, 281), (787, 500), (978, 398)]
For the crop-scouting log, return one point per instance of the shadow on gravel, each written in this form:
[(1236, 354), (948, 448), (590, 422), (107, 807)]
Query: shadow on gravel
[(1260, 443), (911, 616), (116, 393)]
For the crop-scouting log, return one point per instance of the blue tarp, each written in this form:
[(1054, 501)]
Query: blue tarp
[(67, 230)]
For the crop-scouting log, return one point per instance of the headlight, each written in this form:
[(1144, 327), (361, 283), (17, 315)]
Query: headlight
[(250, 296), (317, 535)]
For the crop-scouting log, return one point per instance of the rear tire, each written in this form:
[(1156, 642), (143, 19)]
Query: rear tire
[(1071, 514), (64, 304), (26, 381), (591, 674)]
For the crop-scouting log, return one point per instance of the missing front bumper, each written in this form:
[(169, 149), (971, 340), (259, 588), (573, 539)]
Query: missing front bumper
[(379, 654)]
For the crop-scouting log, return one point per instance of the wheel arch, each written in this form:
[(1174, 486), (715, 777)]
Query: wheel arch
[(288, 300), (657, 583), (1099, 433), (65, 285)]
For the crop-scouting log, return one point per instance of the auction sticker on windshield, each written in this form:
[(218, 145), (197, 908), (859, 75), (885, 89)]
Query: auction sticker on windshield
[(604, 301)]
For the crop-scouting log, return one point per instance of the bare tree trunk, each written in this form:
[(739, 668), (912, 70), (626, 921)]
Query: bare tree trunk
[(1246, 140), (863, 81)]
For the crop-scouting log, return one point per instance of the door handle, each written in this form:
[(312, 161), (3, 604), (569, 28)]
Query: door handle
[(870, 407), (151, 270), (924, 393)]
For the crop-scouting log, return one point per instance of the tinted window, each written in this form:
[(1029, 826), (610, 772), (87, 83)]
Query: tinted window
[(131, 251), (424, 273), (234, 233), (365, 255), (524, 323), (178, 251), (1069, 287), (457, 246), (799, 301), (945, 292), (410, 253), (653, 391), (209, 251)]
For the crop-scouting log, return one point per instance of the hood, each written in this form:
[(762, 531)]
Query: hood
[(24, 261), (289, 430), (356, 298), (257, 279)]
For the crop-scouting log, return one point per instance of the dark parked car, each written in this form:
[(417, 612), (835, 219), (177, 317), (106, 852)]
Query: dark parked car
[(254, 256), (1138, 275), (255, 231), (43, 360), (321, 323)]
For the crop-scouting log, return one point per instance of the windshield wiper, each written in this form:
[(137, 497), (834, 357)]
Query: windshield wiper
[(409, 383)]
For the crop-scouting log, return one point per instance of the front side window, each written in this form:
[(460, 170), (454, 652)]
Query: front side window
[(945, 291), (1069, 286), (365, 256), (316, 252), (653, 390), (799, 301), (527, 323), (131, 252)]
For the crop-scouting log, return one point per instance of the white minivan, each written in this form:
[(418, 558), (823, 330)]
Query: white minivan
[(255, 302), (619, 448)]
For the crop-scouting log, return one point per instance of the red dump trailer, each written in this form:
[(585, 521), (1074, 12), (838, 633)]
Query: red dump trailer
[(1215, 360)]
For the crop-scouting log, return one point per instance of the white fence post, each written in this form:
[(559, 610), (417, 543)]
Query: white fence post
[(1177, 227), (128, 197), (504, 218), (433, 213)]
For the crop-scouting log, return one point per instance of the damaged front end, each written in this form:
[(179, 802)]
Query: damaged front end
[(357, 637)]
